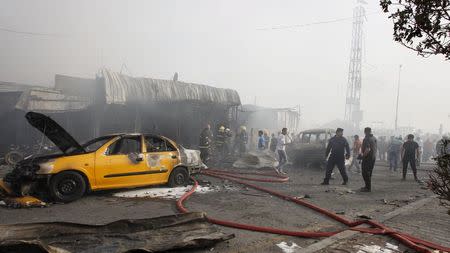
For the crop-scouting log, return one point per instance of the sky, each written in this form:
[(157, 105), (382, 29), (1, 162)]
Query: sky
[(229, 44)]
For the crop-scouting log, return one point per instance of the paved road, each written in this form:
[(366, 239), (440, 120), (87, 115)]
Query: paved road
[(250, 206), (431, 222)]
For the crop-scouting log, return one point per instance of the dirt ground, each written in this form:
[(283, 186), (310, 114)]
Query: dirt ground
[(250, 206)]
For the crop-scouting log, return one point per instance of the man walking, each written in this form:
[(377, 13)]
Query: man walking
[(340, 150), (281, 150), (356, 152), (369, 152), (394, 153), (410, 154)]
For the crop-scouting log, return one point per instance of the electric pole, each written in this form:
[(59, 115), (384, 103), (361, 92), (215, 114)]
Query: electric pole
[(353, 113), (398, 97)]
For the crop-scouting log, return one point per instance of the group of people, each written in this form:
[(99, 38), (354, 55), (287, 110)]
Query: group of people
[(221, 142), (365, 152), (338, 150), (224, 142), (389, 150)]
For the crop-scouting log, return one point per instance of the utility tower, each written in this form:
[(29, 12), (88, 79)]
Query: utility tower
[(353, 113)]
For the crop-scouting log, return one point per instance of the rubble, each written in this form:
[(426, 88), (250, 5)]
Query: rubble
[(165, 193), (23, 202), (389, 248), (340, 190), (256, 160), (286, 248), (364, 216), (175, 232), (306, 196)]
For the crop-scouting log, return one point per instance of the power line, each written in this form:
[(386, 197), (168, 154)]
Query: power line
[(2, 29), (282, 27)]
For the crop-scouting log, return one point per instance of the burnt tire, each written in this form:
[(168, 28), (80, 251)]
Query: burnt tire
[(67, 186), (179, 177), (13, 157)]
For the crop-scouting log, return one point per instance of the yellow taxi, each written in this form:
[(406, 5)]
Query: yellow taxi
[(107, 162)]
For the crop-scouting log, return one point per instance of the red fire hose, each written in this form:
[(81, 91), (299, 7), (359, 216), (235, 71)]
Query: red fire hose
[(376, 228)]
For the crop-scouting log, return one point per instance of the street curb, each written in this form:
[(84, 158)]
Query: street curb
[(349, 234)]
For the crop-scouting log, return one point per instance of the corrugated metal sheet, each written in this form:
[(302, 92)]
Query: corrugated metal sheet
[(76, 86), (50, 100), (122, 89), (14, 87)]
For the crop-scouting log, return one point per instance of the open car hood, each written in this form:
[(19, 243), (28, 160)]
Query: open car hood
[(60, 137)]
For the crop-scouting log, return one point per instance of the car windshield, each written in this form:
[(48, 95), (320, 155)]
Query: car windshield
[(95, 144), (91, 145)]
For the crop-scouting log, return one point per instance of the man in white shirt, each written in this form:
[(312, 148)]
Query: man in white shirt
[(281, 150)]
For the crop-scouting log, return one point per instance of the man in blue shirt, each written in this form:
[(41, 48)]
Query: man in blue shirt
[(261, 140)]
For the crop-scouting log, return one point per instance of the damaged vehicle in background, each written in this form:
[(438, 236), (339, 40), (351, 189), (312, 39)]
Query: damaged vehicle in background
[(107, 162), (309, 147)]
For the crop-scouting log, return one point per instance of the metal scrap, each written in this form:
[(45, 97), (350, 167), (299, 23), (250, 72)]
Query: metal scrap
[(175, 232)]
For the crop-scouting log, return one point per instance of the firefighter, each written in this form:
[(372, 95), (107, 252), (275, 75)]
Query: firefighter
[(228, 138), (242, 140), (220, 142), (205, 143)]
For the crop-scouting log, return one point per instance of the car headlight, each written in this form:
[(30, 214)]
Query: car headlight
[(46, 167)]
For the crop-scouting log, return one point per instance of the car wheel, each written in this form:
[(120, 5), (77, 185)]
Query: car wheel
[(179, 177), (67, 186)]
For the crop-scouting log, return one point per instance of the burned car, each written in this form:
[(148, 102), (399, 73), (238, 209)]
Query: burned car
[(108, 162), (309, 147)]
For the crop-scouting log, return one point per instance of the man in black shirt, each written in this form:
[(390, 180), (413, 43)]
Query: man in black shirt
[(410, 153), (340, 150), (369, 152)]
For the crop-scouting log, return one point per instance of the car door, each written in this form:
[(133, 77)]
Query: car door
[(122, 164), (161, 157)]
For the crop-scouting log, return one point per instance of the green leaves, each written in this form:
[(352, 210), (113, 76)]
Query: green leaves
[(421, 25)]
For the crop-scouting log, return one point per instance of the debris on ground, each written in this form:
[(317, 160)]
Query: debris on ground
[(399, 202), (7, 199), (340, 190), (167, 193), (22, 202), (256, 160), (306, 196), (364, 216), (174, 232), (286, 248), (388, 248)]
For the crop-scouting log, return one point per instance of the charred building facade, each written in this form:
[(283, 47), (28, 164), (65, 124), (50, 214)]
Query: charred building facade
[(112, 103)]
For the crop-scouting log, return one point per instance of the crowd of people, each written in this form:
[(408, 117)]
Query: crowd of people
[(223, 143), (408, 152)]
